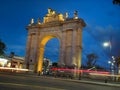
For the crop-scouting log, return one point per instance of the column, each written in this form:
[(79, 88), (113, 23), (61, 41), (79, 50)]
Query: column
[(62, 49), (79, 47), (28, 51), (36, 51), (74, 36), (40, 59), (68, 47)]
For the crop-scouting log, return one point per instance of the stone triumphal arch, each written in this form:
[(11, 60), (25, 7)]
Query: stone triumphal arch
[(67, 30)]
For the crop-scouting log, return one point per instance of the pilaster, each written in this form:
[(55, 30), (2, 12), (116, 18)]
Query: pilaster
[(28, 50), (62, 49)]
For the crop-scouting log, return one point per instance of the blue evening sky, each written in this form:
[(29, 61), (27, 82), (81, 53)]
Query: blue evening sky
[(101, 16)]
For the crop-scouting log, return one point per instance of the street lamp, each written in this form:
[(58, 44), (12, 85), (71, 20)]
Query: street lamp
[(108, 44), (112, 58)]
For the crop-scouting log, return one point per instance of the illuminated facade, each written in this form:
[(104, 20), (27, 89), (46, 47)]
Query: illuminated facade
[(17, 62), (67, 30)]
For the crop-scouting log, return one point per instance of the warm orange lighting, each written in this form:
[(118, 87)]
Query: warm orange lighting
[(42, 45)]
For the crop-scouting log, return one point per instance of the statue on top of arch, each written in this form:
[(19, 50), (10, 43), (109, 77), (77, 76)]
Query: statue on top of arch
[(52, 16), (51, 12)]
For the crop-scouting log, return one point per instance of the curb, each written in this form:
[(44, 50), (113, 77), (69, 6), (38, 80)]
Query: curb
[(85, 81)]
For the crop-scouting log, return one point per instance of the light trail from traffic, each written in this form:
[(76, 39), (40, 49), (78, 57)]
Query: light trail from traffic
[(14, 69)]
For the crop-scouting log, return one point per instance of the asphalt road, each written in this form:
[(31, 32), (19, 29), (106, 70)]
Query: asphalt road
[(20, 82)]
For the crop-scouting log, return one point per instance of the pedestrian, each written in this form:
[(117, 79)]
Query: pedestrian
[(106, 80)]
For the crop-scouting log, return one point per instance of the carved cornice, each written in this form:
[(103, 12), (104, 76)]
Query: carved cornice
[(56, 23)]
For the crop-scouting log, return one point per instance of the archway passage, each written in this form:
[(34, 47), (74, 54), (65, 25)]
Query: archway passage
[(52, 49), (67, 30), (42, 49)]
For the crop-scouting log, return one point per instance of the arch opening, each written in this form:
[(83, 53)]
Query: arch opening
[(48, 50)]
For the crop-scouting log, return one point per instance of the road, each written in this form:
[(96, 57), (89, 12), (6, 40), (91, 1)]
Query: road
[(21, 82)]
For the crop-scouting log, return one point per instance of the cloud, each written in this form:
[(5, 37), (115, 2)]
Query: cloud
[(101, 34), (17, 49)]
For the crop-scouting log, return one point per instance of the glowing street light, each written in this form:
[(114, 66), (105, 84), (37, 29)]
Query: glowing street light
[(106, 44), (112, 61), (109, 62)]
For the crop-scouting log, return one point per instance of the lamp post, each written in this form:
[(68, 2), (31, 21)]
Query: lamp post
[(112, 58)]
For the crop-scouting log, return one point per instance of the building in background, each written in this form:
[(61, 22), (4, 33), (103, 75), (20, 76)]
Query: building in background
[(3, 62), (46, 64), (14, 62), (17, 62)]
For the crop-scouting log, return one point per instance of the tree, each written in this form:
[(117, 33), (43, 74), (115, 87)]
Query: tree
[(116, 2), (92, 58), (12, 54), (2, 48), (117, 62), (55, 64)]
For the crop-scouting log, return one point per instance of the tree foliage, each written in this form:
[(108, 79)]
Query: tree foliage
[(117, 61), (116, 2), (2, 47), (55, 64), (12, 54), (91, 60)]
